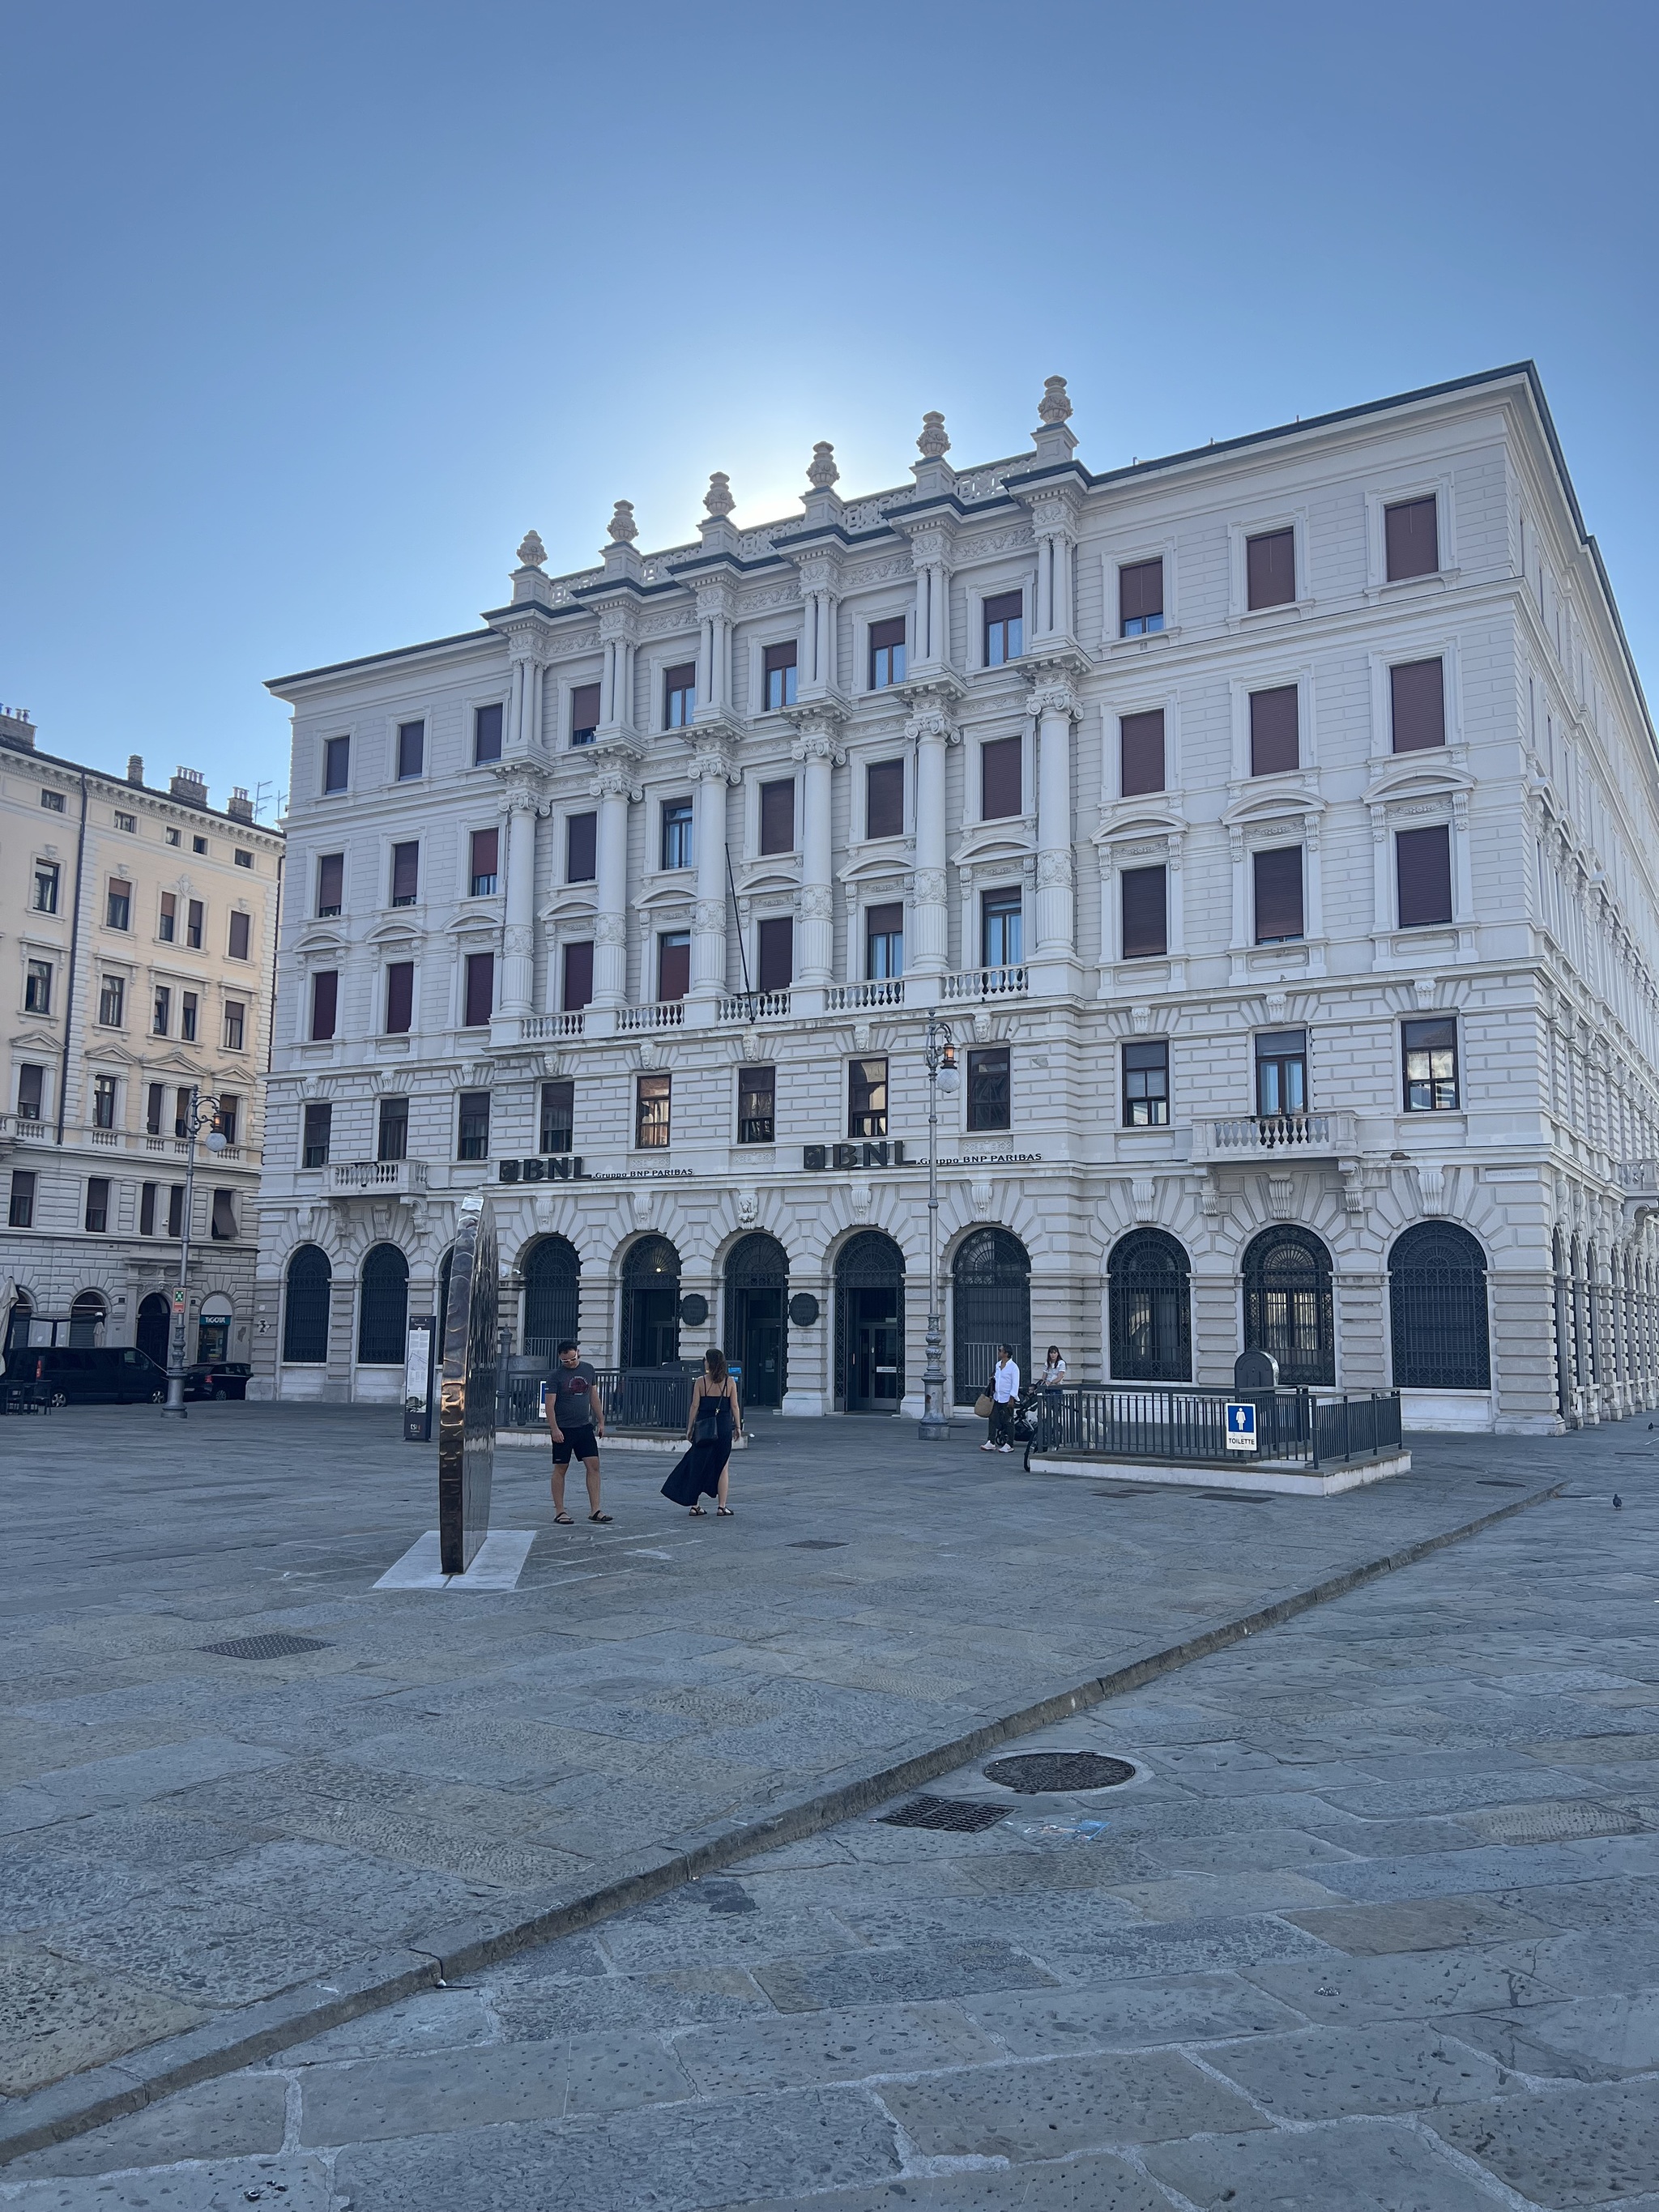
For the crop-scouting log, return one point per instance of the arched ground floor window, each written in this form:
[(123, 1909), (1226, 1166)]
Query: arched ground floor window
[(1149, 1286), (1287, 1305), (1437, 1309)]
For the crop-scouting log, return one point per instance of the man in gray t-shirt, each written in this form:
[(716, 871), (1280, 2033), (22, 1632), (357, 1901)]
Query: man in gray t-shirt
[(575, 1421)]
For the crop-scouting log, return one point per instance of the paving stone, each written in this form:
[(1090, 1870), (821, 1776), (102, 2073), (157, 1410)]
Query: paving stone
[(1587, 1965), (1099, 2184), (436, 2020), (1405, 1984), (435, 2094), (1618, 1901), (920, 1976), (1220, 1896), (1182, 2008), (41, 1887), (848, 2044), (239, 2115), (1385, 2066), (1425, 1924), (538, 2012), (58, 2018), (1585, 2038), (1184, 1946), (686, 1933), (1046, 2107), (1566, 2147), (1258, 1851), (1360, 2166), (297, 2183)]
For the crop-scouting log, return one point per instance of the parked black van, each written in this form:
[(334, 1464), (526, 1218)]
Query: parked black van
[(80, 1375)]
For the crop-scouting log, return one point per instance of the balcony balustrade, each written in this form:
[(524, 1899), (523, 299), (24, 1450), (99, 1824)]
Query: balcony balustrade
[(756, 1006), (376, 1178), (1277, 1136), (661, 1014), (855, 997), (989, 983), (540, 1029)]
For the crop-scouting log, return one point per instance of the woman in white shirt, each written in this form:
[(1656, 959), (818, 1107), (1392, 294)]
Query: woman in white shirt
[(1004, 1388), (1053, 1375)]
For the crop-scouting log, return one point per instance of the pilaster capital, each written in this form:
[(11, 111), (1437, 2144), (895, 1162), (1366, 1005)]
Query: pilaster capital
[(818, 736), (931, 724), (819, 570), (609, 929), (1051, 693), (523, 789), (619, 621), (1055, 871), (932, 538), (711, 758), (709, 917), (717, 598), (615, 779), (816, 902)]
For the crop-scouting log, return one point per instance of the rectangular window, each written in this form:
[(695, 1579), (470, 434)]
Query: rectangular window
[(651, 1113), (236, 1024), (1140, 598), (577, 977), (411, 749), (1278, 894), (325, 1001), (990, 1089), (36, 988), (1141, 737), (31, 1090), (1147, 1084), (127, 822), (558, 1118), (778, 673), (238, 941), (775, 953), (194, 920), (399, 997), (173, 836), (1001, 783), (181, 1098), (679, 695), (1002, 929), (1412, 536), (405, 874), (112, 1002), (20, 1214), (886, 654), (103, 1102), (480, 990), (331, 884), (244, 858), (188, 1003), (866, 1098), (757, 1095), (484, 855), (581, 848), (167, 927), (472, 1126), (53, 801), (46, 887), (198, 844), (337, 763), (1429, 1051), (1281, 1072), (884, 798), (1422, 864), (155, 1106), (1275, 736), (176, 1209), (677, 833), (1418, 698), (147, 1210), (487, 733), (1270, 569), (97, 1214), (883, 942), (1146, 925), (673, 964), (229, 1114), (161, 1011), (320, 1117), (1005, 628), (584, 714), (222, 1223), (777, 816), (392, 1136), (118, 909)]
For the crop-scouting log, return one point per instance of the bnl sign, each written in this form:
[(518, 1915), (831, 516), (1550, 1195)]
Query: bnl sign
[(1240, 1424)]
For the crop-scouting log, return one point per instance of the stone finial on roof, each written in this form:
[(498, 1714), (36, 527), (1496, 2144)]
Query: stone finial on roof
[(1054, 406), (932, 444), (531, 552), (621, 529), (823, 472), (718, 498)]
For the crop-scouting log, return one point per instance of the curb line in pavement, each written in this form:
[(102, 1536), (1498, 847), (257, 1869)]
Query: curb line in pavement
[(242, 2037)]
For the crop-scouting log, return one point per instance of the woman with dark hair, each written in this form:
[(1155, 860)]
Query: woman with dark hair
[(715, 1419)]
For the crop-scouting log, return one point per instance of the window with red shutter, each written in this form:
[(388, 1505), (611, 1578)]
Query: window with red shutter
[(884, 799), (578, 990), (324, 1003), (1142, 739), (1419, 701), (1412, 536), (399, 998), (480, 989), (1422, 862), (777, 816), (1270, 568), (1140, 598), (1279, 894), (1001, 782), (1274, 738), (673, 964), (774, 954), (1146, 925)]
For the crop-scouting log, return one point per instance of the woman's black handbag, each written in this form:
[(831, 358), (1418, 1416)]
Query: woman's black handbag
[(708, 1430)]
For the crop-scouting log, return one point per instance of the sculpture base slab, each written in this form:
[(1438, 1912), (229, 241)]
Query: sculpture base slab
[(496, 1564)]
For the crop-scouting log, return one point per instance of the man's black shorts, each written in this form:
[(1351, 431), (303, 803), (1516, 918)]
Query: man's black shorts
[(581, 1440)]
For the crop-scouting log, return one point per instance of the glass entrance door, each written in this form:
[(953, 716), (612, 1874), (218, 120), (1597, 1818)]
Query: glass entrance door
[(875, 1380), (653, 1334), (756, 1344)]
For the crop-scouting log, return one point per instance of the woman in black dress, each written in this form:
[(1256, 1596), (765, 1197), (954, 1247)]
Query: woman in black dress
[(716, 1419)]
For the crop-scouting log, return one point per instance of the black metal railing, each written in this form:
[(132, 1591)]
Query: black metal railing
[(1131, 1422), (633, 1398)]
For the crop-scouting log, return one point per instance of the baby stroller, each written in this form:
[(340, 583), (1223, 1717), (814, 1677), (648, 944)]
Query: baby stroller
[(1023, 1426)]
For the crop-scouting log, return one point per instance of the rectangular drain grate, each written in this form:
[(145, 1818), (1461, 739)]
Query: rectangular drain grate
[(959, 1814), (1496, 1482), (1238, 1497), (819, 1544), (279, 1645)]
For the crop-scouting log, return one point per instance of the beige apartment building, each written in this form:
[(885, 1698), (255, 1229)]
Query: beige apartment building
[(137, 951)]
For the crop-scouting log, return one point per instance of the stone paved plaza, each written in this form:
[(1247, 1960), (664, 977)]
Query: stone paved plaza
[(1370, 1928)]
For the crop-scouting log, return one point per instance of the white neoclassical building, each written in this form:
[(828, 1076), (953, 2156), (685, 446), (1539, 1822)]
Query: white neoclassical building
[(1274, 825)]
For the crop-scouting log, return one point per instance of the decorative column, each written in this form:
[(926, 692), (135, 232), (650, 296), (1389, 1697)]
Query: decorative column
[(1054, 704), (927, 938), (614, 785), (820, 580), (713, 774), (819, 748), (519, 938)]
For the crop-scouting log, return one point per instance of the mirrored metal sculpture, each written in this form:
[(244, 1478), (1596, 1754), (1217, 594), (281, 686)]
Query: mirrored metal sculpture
[(466, 1406)]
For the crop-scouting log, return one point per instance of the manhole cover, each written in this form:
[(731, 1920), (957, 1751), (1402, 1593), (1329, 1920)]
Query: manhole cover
[(277, 1646), (1033, 1772), (819, 1544), (1552, 1822), (956, 1814)]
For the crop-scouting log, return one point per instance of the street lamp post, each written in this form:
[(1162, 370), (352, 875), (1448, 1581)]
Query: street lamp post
[(200, 1115), (939, 1055)]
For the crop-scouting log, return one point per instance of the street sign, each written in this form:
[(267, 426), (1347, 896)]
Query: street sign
[(1240, 1424)]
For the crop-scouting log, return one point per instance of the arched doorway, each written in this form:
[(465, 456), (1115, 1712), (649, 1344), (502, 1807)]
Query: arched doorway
[(1287, 1304), (213, 1331), (870, 1323), (305, 1308), (1149, 1283), (1437, 1309), (756, 1289), (86, 1318), (651, 1304), (552, 1296), (991, 1305), (383, 1308), (152, 1333)]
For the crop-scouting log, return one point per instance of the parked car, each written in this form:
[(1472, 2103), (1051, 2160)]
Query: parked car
[(80, 1375), (222, 1379)]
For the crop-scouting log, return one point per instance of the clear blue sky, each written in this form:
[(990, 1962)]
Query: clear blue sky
[(310, 311)]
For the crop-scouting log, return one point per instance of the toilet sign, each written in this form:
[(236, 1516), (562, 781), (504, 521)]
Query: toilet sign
[(1240, 1424)]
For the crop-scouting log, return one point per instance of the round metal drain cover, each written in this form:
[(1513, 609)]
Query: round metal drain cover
[(1034, 1771)]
